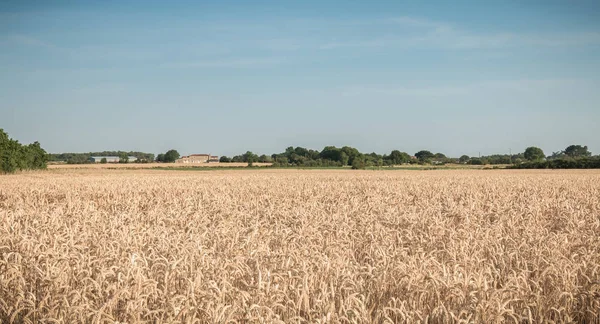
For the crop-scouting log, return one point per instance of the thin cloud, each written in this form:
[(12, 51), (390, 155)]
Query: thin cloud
[(406, 91), (367, 43), (416, 22), (231, 63), (520, 85), (423, 33)]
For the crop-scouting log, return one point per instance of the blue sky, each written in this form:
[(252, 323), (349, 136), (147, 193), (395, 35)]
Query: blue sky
[(223, 77)]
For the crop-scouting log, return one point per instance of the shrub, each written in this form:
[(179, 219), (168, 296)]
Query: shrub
[(359, 163)]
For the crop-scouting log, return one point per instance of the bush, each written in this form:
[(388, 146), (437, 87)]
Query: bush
[(359, 163), (476, 162)]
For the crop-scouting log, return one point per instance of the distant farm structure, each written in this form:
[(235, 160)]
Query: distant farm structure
[(197, 158), (111, 159)]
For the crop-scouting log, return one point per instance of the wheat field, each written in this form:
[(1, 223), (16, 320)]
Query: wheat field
[(275, 246)]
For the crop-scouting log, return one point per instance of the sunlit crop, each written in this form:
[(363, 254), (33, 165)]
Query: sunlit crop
[(274, 246)]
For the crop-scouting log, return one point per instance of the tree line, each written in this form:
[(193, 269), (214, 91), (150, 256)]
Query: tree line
[(15, 156), (83, 158), (572, 157), (332, 156)]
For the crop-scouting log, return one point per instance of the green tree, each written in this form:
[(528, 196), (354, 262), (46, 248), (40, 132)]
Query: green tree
[(171, 156), (160, 157), (351, 152), (359, 163), (265, 159), (249, 157), (8, 154), (577, 151), (476, 161), (103, 160), (534, 153), (331, 153), (397, 157), (557, 155), (344, 158), (123, 157), (224, 159), (282, 160), (424, 155), (464, 159), (14, 156), (38, 156)]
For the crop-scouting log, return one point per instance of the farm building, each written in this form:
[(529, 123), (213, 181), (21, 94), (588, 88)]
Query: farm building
[(198, 158), (110, 159)]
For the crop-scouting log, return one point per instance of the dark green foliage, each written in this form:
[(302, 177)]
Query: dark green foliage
[(265, 159), (557, 155), (123, 157), (249, 157), (464, 159), (359, 163), (224, 159), (563, 163), (171, 156), (501, 158), (103, 161), (281, 160), (424, 156), (15, 156), (397, 157), (331, 153), (498, 159), (476, 161), (351, 153), (534, 153), (577, 151)]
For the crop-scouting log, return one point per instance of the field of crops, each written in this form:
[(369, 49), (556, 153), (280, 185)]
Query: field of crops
[(105, 246)]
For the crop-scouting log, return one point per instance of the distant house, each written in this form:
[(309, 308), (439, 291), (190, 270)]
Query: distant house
[(194, 158), (110, 159), (213, 158)]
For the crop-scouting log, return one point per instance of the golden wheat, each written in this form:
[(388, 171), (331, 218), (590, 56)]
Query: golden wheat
[(300, 246)]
